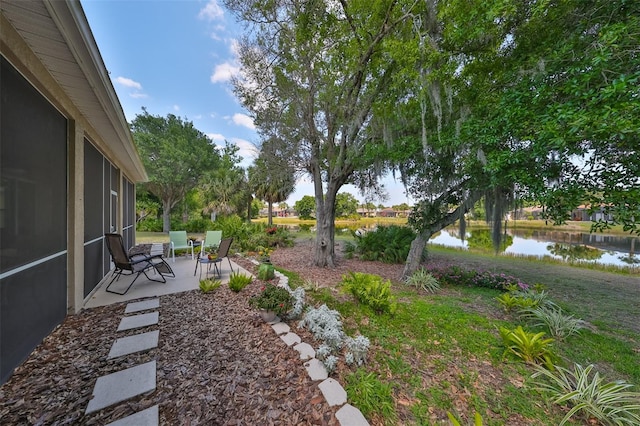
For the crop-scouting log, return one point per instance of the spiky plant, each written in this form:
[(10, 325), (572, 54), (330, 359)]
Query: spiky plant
[(611, 403)]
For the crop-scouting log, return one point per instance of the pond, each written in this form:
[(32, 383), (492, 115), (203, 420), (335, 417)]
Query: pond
[(568, 246)]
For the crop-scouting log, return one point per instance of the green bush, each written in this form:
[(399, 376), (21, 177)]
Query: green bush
[(200, 225), (370, 290), (149, 224), (389, 244), (421, 279), (238, 281), (560, 326), (530, 347), (455, 275), (611, 403)]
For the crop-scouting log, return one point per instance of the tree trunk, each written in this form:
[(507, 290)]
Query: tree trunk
[(166, 216), (324, 255), (269, 213), (415, 254)]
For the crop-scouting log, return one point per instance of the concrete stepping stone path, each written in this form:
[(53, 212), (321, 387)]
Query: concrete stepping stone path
[(136, 343), (142, 305), (122, 385), (148, 417), (138, 321)]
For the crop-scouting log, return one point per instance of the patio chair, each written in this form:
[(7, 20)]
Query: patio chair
[(211, 240), (135, 264), (223, 251), (178, 241)]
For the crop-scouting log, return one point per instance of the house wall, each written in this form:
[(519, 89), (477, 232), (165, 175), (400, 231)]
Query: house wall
[(60, 189)]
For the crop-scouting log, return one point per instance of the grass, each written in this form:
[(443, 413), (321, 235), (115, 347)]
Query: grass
[(442, 352)]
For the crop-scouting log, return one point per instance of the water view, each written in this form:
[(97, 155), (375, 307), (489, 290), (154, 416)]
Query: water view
[(568, 246)]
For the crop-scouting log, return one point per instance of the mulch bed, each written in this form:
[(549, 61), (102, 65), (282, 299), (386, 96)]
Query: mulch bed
[(218, 363)]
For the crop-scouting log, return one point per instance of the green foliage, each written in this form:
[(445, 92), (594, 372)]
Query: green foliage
[(389, 244), (370, 395), (208, 285), (456, 275), (611, 403), (513, 302), (175, 154), (370, 290), (273, 298), (346, 205), (530, 347), (477, 419), (422, 279), (238, 281), (560, 326), (305, 207)]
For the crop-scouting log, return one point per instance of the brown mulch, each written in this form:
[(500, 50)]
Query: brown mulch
[(218, 363)]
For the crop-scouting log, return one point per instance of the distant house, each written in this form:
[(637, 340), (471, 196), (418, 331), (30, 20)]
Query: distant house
[(366, 212), (68, 169), (388, 212), (581, 213)]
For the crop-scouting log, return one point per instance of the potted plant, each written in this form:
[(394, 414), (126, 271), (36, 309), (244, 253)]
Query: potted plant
[(272, 301)]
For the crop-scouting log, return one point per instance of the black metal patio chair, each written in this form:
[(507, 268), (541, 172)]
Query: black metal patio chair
[(134, 264), (223, 251)]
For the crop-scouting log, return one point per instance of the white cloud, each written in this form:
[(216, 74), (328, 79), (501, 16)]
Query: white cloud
[(176, 107), (224, 72), (211, 11), (243, 120), (127, 82), (138, 95), (216, 137), (248, 151)]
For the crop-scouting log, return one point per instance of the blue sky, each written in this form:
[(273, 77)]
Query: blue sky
[(178, 56)]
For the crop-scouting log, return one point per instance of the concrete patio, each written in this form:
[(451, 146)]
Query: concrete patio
[(183, 268)]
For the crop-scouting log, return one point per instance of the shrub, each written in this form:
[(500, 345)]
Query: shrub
[(511, 302), (238, 281), (389, 244), (326, 326), (357, 350), (208, 285), (611, 403), (299, 298), (530, 347), (455, 275), (370, 290), (421, 279), (560, 326), (273, 298)]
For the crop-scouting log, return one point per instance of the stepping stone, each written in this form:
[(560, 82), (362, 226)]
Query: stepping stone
[(280, 328), (138, 321), (291, 339), (132, 344), (315, 369), (306, 351), (333, 392), (142, 306), (148, 417), (349, 415), (122, 385)]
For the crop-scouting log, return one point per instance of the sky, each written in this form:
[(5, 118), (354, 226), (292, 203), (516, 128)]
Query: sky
[(178, 57)]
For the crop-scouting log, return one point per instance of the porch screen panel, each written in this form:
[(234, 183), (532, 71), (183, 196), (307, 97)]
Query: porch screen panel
[(33, 218), (94, 247)]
